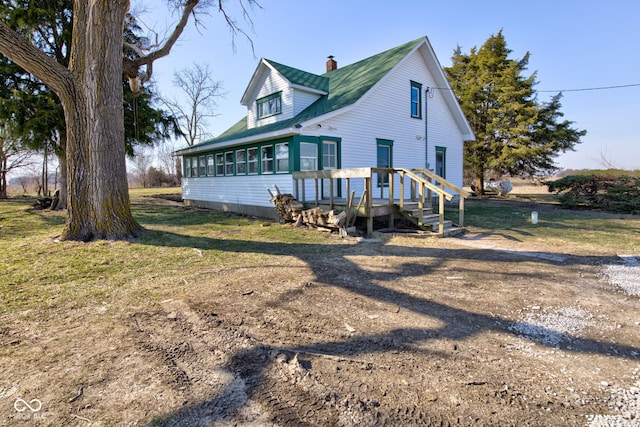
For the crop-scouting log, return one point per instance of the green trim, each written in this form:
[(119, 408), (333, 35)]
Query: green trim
[(382, 179), (232, 163), (236, 163), (338, 142), (442, 150), (264, 100), (416, 100), (211, 171), (294, 149), (245, 147), (294, 155)]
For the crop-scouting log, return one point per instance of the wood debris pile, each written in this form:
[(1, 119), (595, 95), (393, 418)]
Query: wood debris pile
[(291, 210)]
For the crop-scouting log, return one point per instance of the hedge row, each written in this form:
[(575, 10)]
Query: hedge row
[(620, 194)]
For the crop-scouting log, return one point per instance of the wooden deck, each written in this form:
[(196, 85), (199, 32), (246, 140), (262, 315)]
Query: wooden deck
[(413, 198)]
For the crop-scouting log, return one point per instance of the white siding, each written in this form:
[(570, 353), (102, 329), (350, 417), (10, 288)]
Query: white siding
[(236, 190), (302, 100), (271, 83), (385, 114)]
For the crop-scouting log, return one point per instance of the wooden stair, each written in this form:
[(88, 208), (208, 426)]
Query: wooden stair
[(430, 220), (408, 191)]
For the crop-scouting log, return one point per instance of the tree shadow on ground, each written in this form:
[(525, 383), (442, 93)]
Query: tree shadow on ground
[(456, 324)]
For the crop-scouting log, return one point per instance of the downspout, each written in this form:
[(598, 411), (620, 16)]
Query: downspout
[(426, 128)]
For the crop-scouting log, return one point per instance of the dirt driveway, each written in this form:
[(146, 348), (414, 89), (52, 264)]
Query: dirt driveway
[(471, 331)]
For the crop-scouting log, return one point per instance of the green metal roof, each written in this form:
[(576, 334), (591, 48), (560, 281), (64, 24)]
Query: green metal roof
[(301, 78), (346, 86)]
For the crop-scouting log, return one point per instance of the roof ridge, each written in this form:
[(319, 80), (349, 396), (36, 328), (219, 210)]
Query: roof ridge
[(344, 87)]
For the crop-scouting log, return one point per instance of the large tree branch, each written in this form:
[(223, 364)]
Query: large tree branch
[(131, 66), (33, 60)]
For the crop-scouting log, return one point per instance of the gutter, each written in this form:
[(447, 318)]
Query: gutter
[(240, 141)]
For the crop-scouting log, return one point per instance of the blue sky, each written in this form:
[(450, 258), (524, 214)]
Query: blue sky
[(573, 45)]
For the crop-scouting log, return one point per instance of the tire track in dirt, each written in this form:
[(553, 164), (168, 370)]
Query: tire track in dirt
[(224, 377)]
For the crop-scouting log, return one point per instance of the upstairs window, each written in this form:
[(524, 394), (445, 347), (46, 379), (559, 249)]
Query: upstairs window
[(269, 105), (416, 100)]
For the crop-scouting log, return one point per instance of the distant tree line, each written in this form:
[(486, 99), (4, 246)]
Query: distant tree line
[(611, 191)]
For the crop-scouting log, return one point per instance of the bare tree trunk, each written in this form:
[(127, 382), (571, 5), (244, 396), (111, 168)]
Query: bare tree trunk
[(480, 185), (98, 195), (90, 91), (45, 172), (62, 202), (3, 177)]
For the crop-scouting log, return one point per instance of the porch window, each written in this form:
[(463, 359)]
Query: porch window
[(228, 163), (267, 159), (269, 105), (282, 158), (211, 171), (416, 100), (194, 167), (202, 162), (187, 167), (252, 161), (385, 157), (329, 155), (308, 156), (220, 164), (241, 162)]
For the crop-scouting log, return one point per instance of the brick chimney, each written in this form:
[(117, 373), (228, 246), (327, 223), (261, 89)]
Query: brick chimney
[(331, 64)]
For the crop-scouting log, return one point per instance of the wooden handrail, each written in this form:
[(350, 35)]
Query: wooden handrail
[(418, 177), (443, 182), (426, 183)]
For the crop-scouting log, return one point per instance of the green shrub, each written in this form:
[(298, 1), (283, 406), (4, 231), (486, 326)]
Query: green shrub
[(612, 193)]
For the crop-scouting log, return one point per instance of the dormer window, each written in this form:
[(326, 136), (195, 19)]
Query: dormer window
[(269, 105)]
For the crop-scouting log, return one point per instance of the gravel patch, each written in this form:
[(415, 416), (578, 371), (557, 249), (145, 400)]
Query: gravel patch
[(625, 275), (625, 403), (551, 327)]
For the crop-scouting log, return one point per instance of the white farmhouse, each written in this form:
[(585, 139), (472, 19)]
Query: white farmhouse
[(394, 111)]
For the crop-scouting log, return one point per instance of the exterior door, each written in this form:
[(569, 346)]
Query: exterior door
[(330, 162), (441, 162)]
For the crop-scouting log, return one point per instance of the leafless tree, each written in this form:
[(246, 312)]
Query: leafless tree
[(606, 161), (142, 160), (12, 157), (166, 159), (199, 103)]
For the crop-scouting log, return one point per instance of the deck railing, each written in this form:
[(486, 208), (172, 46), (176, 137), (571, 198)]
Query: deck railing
[(421, 191)]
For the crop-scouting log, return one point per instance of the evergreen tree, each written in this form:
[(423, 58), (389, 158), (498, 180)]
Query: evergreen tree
[(35, 111), (515, 134)]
